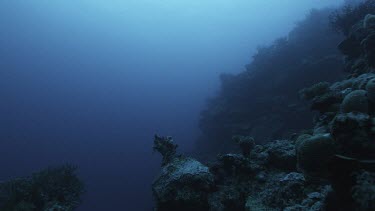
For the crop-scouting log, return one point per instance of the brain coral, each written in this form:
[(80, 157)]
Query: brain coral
[(315, 153), (355, 101)]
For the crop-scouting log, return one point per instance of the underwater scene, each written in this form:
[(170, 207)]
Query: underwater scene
[(189, 105)]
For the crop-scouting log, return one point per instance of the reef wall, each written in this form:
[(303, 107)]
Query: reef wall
[(263, 101), (328, 167)]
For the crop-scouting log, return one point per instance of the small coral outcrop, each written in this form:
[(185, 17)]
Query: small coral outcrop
[(315, 154), (364, 190), (246, 144), (370, 88), (355, 101), (166, 147), (52, 189), (184, 183)]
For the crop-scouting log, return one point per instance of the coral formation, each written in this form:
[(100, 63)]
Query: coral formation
[(364, 190), (329, 167), (370, 88), (267, 179), (184, 183), (262, 102), (246, 144), (52, 189), (355, 101), (369, 21), (166, 147), (315, 154)]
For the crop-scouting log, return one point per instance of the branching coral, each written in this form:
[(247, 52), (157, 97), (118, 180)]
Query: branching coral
[(166, 147)]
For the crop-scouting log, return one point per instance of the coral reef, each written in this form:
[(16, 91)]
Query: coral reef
[(52, 189), (262, 102), (265, 179), (328, 167)]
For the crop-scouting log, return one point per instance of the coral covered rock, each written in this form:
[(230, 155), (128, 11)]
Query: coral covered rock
[(355, 101), (281, 154), (235, 164), (183, 184), (166, 147), (369, 48), (43, 191), (370, 88), (315, 90), (227, 198), (351, 132), (315, 201), (364, 191), (369, 21), (315, 154), (246, 144)]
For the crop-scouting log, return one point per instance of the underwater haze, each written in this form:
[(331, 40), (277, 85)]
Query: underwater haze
[(90, 82)]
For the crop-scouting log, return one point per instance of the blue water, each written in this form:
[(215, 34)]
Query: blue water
[(91, 82)]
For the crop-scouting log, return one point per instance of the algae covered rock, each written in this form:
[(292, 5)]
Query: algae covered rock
[(315, 154), (355, 101)]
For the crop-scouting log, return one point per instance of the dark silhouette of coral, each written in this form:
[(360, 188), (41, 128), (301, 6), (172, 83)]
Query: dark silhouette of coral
[(52, 189)]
